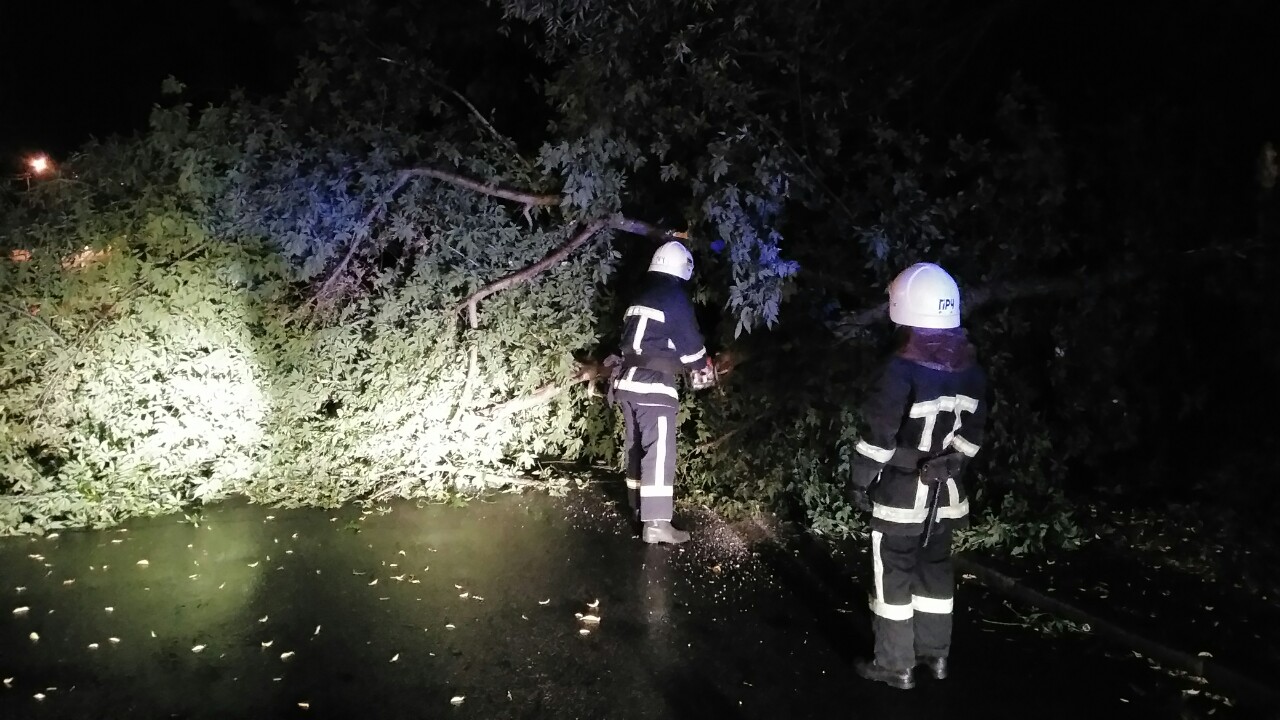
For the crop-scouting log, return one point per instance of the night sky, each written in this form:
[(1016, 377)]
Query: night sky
[(72, 70), (1188, 91)]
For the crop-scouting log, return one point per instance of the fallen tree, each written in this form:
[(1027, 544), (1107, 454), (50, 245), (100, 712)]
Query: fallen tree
[(366, 288)]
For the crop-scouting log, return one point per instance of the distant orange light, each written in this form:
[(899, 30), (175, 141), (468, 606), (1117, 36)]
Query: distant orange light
[(39, 164)]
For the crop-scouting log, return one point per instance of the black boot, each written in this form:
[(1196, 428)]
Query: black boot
[(901, 679), (661, 531), (937, 666)]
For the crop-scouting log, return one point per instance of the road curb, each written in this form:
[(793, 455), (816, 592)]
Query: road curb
[(1229, 679), (1246, 689)]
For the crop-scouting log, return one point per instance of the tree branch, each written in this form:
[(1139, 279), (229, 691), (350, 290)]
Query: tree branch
[(468, 387), (478, 115), (589, 371), (35, 319), (1003, 292), (527, 273), (644, 229), (404, 176), (586, 373), (366, 230), (490, 189), (635, 227)]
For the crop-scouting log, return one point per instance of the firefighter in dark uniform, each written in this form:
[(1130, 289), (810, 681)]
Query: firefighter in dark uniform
[(922, 422), (660, 342)]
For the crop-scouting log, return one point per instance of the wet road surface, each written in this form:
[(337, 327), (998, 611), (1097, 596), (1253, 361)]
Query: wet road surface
[(521, 607)]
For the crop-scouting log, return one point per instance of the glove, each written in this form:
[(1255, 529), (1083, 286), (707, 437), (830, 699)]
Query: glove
[(858, 498), (861, 477), (704, 377)]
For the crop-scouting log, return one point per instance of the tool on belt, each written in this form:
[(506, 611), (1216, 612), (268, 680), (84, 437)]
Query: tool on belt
[(699, 379), (935, 472)]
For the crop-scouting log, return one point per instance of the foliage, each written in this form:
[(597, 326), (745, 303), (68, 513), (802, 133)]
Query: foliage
[(265, 303), (176, 360)]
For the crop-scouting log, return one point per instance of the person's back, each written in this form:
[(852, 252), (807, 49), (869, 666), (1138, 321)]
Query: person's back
[(923, 419), (924, 407), (660, 341)]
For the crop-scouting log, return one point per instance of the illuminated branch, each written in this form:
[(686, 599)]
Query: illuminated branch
[(639, 227), (528, 199), (589, 371), (635, 227), (468, 388), (490, 189), (586, 373), (404, 176), (526, 273)]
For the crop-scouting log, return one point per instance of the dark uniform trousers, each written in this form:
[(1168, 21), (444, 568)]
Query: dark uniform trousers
[(649, 449), (912, 604)]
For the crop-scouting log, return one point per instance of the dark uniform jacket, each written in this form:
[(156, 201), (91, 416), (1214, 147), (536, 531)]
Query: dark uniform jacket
[(660, 340), (930, 400)]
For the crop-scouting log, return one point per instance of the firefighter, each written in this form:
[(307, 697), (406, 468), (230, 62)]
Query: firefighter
[(922, 422), (660, 342)]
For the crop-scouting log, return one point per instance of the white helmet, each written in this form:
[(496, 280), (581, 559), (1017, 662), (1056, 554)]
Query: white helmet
[(673, 259), (924, 296)]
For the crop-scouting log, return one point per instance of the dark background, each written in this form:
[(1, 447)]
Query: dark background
[(1164, 106)]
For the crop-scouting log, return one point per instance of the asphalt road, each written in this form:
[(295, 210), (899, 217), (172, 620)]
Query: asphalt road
[(520, 607)]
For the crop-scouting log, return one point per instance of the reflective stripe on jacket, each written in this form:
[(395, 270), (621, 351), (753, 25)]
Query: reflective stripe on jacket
[(922, 406), (659, 330)]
